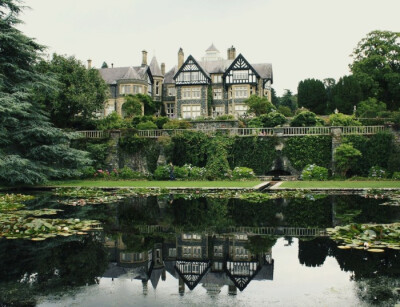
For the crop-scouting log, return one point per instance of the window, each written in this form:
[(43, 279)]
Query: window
[(217, 79), (191, 93), (217, 266), (240, 109), (217, 93), (218, 251), (125, 89), (240, 74), (158, 88), (191, 251), (171, 91), (172, 252), (217, 111), (241, 92), (191, 111), (137, 89), (171, 110), (191, 236), (186, 76), (194, 76)]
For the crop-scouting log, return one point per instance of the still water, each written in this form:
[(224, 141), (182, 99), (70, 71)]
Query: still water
[(166, 251)]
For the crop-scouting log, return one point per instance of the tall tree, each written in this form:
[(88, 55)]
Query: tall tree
[(31, 149), (288, 100), (104, 65), (377, 63), (259, 105), (79, 95), (311, 94), (346, 94)]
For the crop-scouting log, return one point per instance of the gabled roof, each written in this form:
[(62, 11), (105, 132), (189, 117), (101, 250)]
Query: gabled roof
[(131, 74), (241, 59), (191, 58), (111, 75), (155, 68), (169, 76), (212, 48), (215, 67), (264, 70)]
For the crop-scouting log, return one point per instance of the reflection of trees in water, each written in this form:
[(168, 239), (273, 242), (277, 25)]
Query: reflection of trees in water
[(313, 253), (29, 269), (377, 274)]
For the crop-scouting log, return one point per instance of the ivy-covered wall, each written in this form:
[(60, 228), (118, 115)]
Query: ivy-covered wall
[(303, 150)]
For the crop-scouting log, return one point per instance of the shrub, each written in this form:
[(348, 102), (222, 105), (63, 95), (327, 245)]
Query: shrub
[(272, 119), (127, 173), (162, 172), (225, 117), (113, 121), (88, 172), (396, 176), (148, 125), (314, 172), (177, 124), (346, 157), (197, 173), (243, 173), (377, 172), (286, 111), (306, 119), (181, 172), (255, 123), (161, 121), (340, 119)]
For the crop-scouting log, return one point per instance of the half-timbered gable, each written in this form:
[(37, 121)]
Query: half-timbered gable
[(241, 72), (191, 73), (242, 272), (192, 271)]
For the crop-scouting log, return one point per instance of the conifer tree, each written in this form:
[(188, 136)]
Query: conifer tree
[(31, 149)]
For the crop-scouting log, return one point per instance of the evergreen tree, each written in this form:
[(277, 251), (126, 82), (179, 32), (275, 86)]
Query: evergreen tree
[(311, 94), (31, 149), (346, 94), (104, 65)]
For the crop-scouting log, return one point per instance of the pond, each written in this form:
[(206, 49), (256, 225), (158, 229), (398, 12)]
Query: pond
[(197, 250)]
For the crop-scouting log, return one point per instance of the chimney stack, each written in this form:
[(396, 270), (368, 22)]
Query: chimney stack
[(89, 64), (231, 53), (144, 58), (180, 58), (112, 65), (163, 69)]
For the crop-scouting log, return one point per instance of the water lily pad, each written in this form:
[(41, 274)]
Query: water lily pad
[(344, 247), (376, 250), (38, 239)]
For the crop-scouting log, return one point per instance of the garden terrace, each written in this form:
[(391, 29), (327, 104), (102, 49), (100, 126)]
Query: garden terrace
[(247, 132)]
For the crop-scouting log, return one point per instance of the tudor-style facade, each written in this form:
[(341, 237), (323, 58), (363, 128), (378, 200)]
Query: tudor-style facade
[(211, 87)]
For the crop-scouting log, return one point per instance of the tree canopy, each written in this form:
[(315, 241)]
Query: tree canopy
[(31, 149), (345, 94), (78, 95), (311, 94), (377, 63), (259, 105)]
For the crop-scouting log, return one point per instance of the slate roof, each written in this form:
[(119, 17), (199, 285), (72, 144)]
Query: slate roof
[(212, 48), (264, 70), (155, 68), (215, 67), (169, 76), (123, 73)]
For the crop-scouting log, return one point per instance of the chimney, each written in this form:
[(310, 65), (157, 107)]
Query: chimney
[(163, 69), (180, 58), (89, 64), (231, 53), (144, 58), (112, 65)]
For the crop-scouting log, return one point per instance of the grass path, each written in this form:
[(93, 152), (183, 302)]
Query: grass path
[(158, 184), (340, 184)]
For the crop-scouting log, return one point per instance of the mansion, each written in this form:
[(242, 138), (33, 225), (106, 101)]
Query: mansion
[(213, 86)]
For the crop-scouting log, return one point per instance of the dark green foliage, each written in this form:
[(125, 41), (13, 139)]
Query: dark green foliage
[(311, 94), (146, 126), (376, 63), (113, 121), (306, 119), (273, 119), (217, 166), (340, 119), (132, 106), (133, 143), (104, 65), (177, 124), (78, 95), (370, 108), (162, 172), (285, 111), (150, 106), (259, 105), (376, 151), (32, 150), (190, 148), (346, 94), (304, 150), (394, 159), (257, 153), (97, 149), (288, 100), (161, 121)]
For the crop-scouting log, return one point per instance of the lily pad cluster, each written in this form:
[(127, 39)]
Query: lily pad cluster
[(18, 223), (372, 237)]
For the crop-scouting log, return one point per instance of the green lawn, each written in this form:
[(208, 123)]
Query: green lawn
[(158, 184), (340, 184)]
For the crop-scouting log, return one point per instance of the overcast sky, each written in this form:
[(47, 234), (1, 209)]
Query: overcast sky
[(301, 38)]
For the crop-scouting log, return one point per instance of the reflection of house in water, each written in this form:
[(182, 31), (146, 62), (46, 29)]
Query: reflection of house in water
[(214, 261)]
